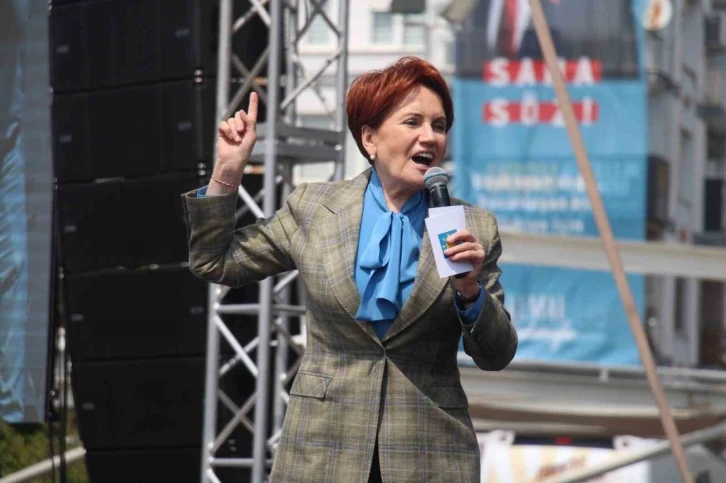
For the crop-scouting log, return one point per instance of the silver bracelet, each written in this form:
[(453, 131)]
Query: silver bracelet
[(222, 182)]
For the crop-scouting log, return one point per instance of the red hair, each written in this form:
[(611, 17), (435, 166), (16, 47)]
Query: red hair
[(374, 95)]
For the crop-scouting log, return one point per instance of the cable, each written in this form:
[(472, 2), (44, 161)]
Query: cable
[(52, 375), (64, 417), (59, 309), (51, 437)]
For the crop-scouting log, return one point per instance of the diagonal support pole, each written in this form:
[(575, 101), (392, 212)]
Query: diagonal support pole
[(606, 234), (587, 474)]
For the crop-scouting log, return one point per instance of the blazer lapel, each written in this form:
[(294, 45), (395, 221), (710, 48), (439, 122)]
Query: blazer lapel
[(426, 290), (340, 245)]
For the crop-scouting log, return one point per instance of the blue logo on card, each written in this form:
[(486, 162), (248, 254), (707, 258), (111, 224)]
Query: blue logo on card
[(442, 240)]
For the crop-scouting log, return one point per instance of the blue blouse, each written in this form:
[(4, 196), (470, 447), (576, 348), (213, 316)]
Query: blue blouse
[(387, 259)]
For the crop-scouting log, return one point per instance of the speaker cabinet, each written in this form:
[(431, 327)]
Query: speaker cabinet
[(140, 403), (145, 466), (134, 131), (136, 314), (124, 223), (109, 43)]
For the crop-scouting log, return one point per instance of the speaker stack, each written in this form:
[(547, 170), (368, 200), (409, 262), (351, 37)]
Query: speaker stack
[(133, 124)]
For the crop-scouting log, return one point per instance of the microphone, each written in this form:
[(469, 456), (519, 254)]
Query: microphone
[(435, 180)]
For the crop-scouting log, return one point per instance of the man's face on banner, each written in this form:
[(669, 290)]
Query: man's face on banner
[(601, 31)]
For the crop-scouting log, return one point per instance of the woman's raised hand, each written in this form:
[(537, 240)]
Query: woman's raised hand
[(236, 138)]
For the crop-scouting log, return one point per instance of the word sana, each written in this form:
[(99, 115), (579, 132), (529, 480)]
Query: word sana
[(502, 72), (529, 110)]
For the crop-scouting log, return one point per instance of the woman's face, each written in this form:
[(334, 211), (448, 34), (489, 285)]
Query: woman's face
[(411, 140)]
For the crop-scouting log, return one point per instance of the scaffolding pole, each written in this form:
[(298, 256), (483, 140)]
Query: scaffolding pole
[(281, 145)]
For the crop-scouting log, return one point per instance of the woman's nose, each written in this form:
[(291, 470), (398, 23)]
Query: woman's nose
[(426, 134)]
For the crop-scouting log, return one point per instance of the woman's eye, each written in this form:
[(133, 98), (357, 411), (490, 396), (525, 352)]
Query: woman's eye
[(411, 122)]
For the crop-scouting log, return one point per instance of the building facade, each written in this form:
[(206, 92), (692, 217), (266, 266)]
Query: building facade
[(687, 97)]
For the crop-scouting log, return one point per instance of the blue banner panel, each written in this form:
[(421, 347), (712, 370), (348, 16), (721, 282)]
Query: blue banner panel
[(513, 157), (570, 315), (26, 191)]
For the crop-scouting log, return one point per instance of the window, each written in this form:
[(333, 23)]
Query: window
[(680, 309), (314, 171), (318, 33), (685, 179), (382, 28), (691, 34), (316, 121), (450, 52), (716, 145), (413, 29)]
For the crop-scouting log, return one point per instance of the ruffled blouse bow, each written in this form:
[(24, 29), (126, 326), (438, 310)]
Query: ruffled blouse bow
[(388, 252)]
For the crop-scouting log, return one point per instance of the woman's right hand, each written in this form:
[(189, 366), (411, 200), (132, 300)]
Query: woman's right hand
[(236, 138)]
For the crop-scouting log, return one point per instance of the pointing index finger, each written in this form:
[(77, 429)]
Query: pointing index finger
[(252, 109)]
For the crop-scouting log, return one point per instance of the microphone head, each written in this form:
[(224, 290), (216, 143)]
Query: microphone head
[(435, 176)]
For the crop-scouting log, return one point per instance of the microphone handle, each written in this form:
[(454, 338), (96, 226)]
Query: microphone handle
[(440, 196)]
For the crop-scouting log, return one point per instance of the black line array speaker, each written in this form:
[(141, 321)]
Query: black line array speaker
[(141, 421), (141, 403), (133, 125), (107, 43), (133, 131), (146, 465), (138, 340), (136, 314), (124, 223)]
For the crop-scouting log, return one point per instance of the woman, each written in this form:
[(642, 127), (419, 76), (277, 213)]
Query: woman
[(378, 395)]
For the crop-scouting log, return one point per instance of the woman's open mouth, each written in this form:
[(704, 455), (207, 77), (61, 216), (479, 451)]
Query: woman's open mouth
[(424, 158)]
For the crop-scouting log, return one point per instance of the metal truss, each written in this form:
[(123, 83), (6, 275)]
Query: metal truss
[(281, 144)]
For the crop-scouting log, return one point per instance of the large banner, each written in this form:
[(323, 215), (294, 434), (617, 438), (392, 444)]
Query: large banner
[(513, 157), (26, 187)]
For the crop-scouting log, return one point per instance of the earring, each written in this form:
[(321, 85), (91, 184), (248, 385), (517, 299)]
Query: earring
[(373, 157)]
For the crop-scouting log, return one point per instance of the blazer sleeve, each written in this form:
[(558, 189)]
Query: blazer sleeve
[(221, 254), (491, 341)]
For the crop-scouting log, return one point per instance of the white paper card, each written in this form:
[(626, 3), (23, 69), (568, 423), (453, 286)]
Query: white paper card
[(442, 209), (440, 227)]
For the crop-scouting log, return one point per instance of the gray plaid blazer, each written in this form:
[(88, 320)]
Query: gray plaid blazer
[(354, 390)]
